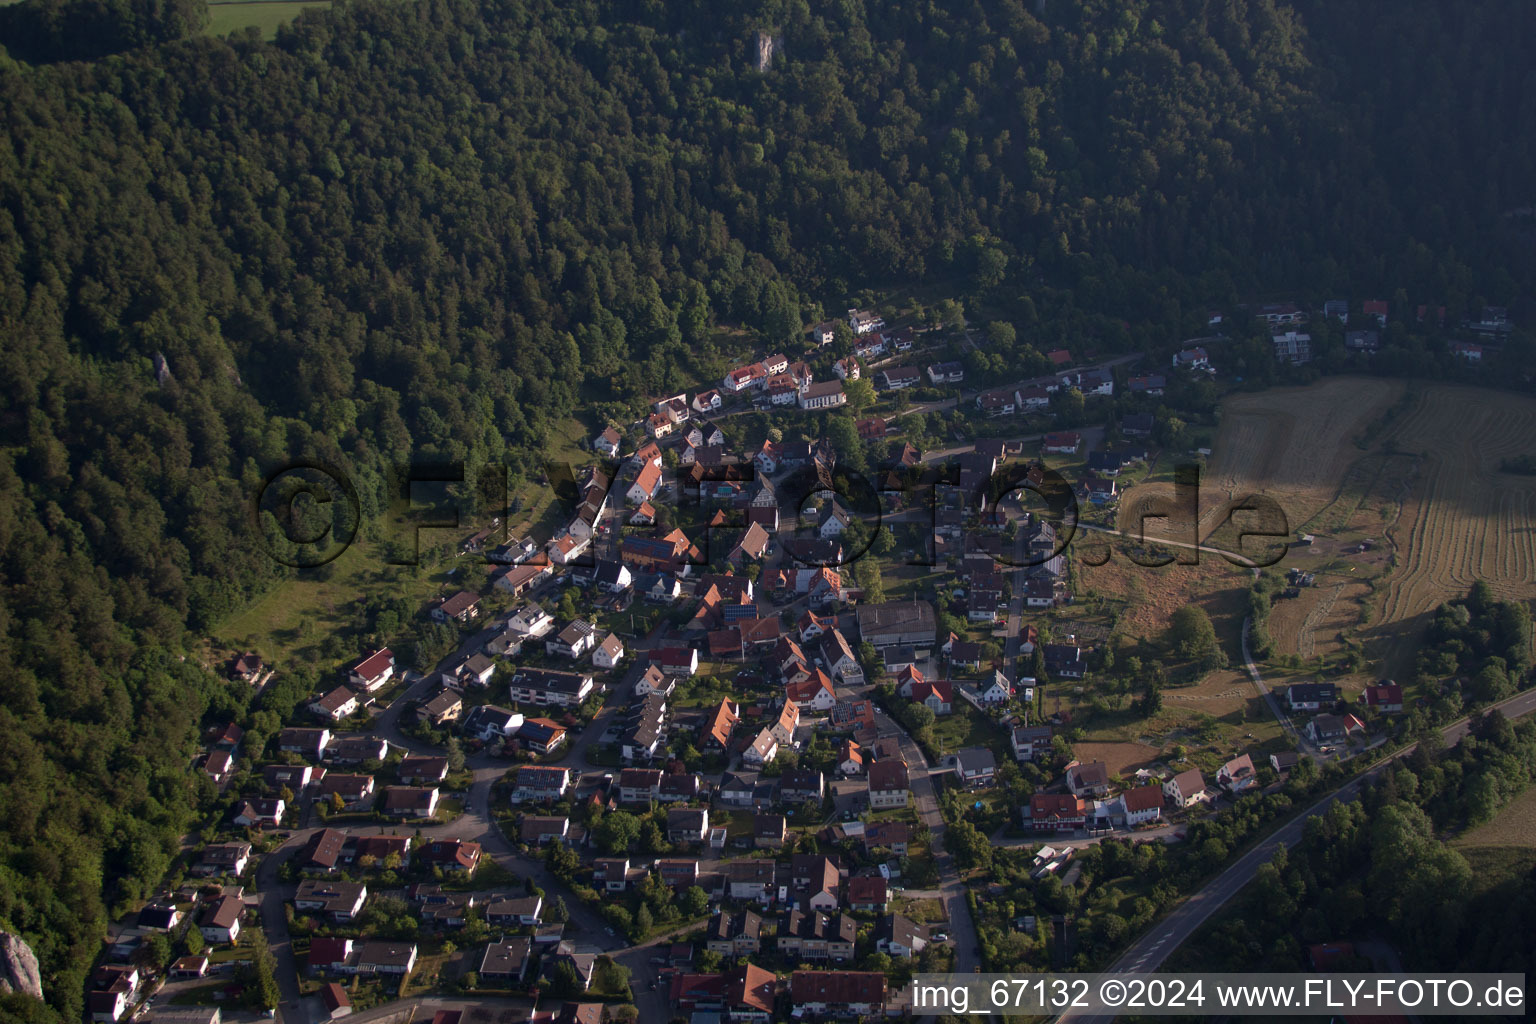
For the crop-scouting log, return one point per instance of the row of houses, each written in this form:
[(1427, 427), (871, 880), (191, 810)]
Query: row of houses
[(751, 994)]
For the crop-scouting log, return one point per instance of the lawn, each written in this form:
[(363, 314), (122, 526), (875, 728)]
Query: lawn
[(224, 18), (919, 911), (736, 823), (201, 994), (290, 624), (963, 727)]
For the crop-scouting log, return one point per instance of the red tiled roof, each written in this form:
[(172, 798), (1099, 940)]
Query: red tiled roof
[(375, 663), (837, 987), (867, 889), (1143, 798)]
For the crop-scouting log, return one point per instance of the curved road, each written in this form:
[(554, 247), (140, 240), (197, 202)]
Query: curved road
[(1149, 952), (475, 824)]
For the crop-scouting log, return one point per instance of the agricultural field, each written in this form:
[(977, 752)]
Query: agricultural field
[(1122, 758), (1464, 520), (1295, 444), (1513, 826), (1400, 490)]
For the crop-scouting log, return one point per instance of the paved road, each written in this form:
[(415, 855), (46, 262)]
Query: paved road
[(475, 824), (961, 396), (951, 889), (1296, 736), (1149, 952)]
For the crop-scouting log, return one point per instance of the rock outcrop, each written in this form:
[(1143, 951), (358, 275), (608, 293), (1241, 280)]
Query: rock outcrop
[(18, 967)]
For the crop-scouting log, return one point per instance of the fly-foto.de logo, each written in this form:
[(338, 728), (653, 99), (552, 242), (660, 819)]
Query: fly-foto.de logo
[(308, 512)]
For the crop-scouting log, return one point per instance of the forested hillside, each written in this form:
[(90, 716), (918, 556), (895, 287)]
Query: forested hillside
[(434, 228)]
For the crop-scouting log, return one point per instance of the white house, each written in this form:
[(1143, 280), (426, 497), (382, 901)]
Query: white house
[(865, 322), (1184, 788), (373, 671), (647, 483), (1142, 804), (609, 652), (607, 443), (567, 548), (763, 749), (336, 705)]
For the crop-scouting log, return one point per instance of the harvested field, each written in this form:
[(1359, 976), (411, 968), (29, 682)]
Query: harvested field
[(1219, 693), (1294, 444), (1427, 496), (1309, 625), (1514, 825), (1464, 521), (1120, 757)]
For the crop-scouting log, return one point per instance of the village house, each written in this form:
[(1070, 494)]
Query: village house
[(220, 920), (974, 767), (512, 912), (1385, 697), (1030, 742), (1056, 812), (607, 443), (541, 735), (888, 784), (416, 771), (357, 749), (1311, 696), (537, 829), (338, 899), (258, 813), (823, 995), (850, 758), (461, 607), (506, 961), (864, 321), (335, 705), (751, 879), (223, 859), (815, 935), (550, 687), (1091, 779), (392, 958), (491, 723), (733, 935), (443, 708), (407, 802), (1184, 788), (801, 785), (517, 580), (1192, 359), (608, 652), (744, 993), (573, 640), (868, 893), (1237, 775), (370, 674), (899, 936), (763, 749), (769, 831), (1329, 727), (1141, 804), (355, 791)]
